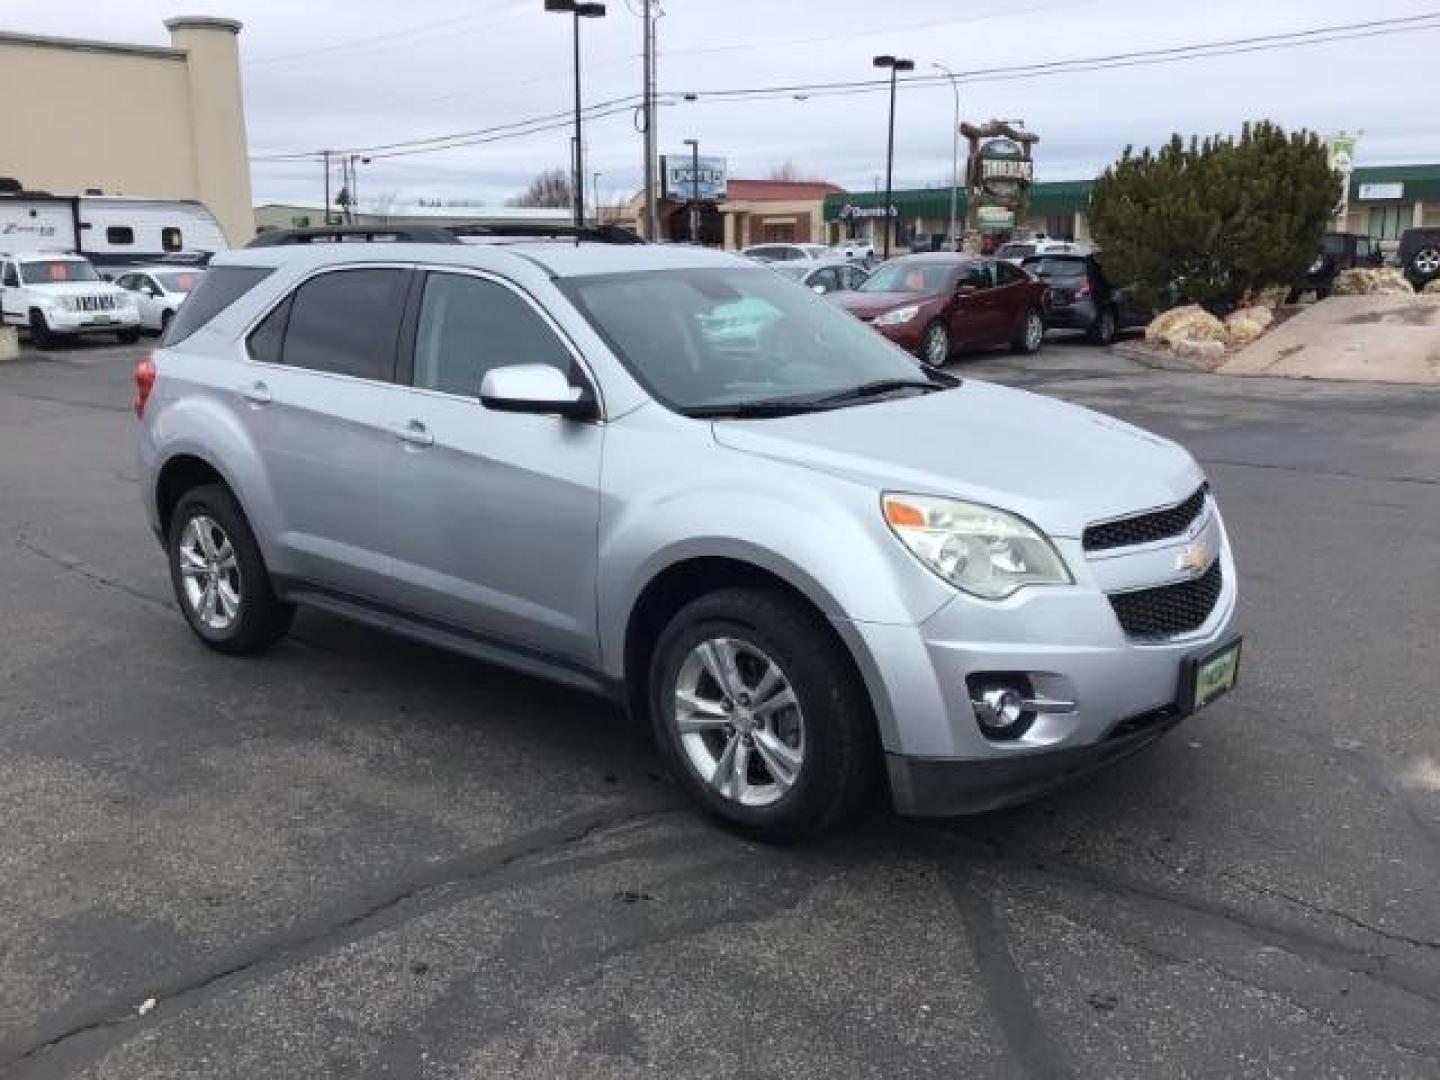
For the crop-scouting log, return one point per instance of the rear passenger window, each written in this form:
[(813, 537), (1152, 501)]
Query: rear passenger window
[(267, 339), (346, 322), (1011, 274), (469, 325), (220, 287)]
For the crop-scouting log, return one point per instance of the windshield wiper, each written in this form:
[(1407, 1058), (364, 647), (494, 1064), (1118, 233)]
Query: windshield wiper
[(881, 386), (755, 409)]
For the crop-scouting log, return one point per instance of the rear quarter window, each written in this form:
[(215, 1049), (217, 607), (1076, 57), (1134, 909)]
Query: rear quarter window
[(220, 287)]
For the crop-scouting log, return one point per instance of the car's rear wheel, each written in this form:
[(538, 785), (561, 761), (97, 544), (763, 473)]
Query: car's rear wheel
[(1031, 334), (219, 575), (1102, 331), (761, 714), (935, 346), (40, 335), (1425, 264)]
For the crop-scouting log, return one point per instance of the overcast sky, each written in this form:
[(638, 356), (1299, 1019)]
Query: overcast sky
[(344, 73)]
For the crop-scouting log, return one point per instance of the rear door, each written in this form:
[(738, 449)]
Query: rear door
[(492, 517), (314, 397)]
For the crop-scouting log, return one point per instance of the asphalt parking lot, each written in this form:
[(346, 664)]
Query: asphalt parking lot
[(357, 857)]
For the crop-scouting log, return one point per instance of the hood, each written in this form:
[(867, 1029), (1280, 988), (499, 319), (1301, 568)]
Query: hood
[(76, 288), (867, 305), (1059, 466)]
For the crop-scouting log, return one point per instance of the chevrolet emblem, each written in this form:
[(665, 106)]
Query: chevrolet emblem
[(1195, 559)]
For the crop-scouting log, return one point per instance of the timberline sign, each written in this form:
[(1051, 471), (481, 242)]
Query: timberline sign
[(999, 172)]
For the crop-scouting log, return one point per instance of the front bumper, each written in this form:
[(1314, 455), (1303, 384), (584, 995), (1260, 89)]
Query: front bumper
[(908, 335), (90, 322), (1068, 643)]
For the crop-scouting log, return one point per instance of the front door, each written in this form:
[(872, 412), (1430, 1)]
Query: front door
[(313, 400), (492, 517)]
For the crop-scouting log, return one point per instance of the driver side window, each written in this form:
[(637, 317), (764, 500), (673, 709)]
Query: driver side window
[(469, 325), (11, 278)]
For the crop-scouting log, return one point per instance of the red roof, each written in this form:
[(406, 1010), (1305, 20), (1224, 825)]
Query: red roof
[(779, 190)]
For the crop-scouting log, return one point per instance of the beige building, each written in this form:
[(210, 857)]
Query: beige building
[(140, 120)]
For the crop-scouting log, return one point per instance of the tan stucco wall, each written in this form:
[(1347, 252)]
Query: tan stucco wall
[(125, 119)]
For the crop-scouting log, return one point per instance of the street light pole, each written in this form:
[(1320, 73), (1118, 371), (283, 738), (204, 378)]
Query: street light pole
[(595, 196), (326, 153), (694, 145), (580, 10), (954, 154), (896, 65)]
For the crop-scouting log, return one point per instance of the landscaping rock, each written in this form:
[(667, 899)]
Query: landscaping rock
[(1191, 323), (1207, 354), (1365, 281), (1247, 324), (1271, 297), (9, 343)]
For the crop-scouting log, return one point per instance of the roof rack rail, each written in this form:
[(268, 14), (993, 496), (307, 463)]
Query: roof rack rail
[(353, 234), (594, 234)]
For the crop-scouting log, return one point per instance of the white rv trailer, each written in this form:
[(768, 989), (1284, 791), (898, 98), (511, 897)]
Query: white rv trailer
[(111, 230)]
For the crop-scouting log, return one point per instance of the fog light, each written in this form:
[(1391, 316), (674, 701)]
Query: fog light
[(1000, 709)]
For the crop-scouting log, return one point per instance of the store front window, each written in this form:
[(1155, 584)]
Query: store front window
[(1388, 222)]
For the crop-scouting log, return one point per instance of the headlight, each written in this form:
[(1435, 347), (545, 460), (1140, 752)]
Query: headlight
[(984, 551), (898, 316), (66, 303)]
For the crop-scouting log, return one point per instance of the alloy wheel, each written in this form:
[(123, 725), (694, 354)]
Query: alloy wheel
[(1034, 332), (937, 346), (1427, 262), (210, 573), (739, 721)]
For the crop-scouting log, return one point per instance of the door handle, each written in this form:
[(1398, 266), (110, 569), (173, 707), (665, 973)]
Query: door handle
[(258, 394), (413, 432)]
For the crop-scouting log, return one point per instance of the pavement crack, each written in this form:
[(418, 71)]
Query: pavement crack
[(89, 573), (370, 914), (1321, 909)]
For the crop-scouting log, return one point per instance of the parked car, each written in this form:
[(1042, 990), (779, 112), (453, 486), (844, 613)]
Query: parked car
[(785, 252), (803, 562), (158, 292), (1338, 251), (933, 303), (1017, 251), (1419, 255), (863, 250), (1082, 298), (61, 295), (824, 275)]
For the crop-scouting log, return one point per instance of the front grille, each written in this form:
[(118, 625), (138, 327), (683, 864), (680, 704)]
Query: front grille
[(1146, 528), (1167, 611), (95, 303)]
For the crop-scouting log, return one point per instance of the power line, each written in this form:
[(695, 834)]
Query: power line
[(1172, 54), (382, 39)]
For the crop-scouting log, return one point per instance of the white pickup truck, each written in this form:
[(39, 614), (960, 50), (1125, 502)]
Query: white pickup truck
[(60, 295)]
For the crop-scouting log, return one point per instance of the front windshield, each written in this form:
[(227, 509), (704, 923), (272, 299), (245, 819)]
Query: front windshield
[(724, 337), (56, 271), (911, 277), (178, 281)]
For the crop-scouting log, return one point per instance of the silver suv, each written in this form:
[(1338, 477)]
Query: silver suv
[(673, 477)]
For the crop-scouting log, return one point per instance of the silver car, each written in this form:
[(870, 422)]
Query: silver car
[(667, 475)]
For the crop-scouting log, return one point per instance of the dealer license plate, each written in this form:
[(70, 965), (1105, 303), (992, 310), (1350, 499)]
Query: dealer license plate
[(1205, 678)]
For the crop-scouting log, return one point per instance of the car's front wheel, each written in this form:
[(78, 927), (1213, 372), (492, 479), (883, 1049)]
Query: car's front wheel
[(219, 575), (761, 714), (935, 346), (128, 336), (40, 335), (1031, 334), (1425, 264)]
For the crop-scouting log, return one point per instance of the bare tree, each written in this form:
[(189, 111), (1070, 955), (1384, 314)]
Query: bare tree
[(791, 172), (550, 188)]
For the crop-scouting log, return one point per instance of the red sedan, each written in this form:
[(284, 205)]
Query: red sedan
[(931, 304)]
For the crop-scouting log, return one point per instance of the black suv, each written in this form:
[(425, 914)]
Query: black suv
[(1338, 251), (1420, 255), (1082, 298)]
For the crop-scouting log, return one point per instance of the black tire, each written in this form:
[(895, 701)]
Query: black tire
[(262, 618), (1105, 327), (128, 336), (1430, 255), (935, 342), (40, 335), (840, 749), (1025, 341), (165, 317)]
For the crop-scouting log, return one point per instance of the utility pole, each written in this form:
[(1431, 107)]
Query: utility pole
[(652, 220), (326, 153), (694, 145), (954, 155), (595, 197)]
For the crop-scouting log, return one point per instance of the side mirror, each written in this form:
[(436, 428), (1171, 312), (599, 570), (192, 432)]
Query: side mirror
[(536, 388), (819, 289)]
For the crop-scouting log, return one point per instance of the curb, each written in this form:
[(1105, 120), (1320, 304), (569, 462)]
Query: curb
[(1156, 359)]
